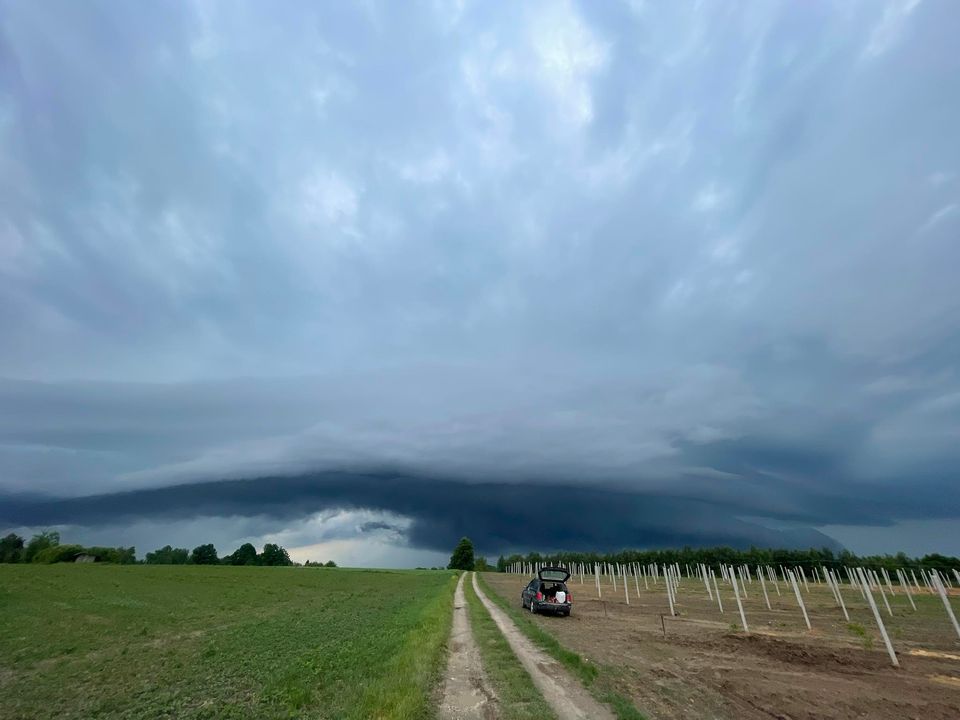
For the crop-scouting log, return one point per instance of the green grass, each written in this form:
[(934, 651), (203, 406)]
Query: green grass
[(220, 642), (519, 697), (597, 678)]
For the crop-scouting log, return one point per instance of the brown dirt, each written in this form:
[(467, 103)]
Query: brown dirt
[(705, 666), (467, 694)]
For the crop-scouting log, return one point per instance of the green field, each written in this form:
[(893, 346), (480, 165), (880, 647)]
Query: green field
[(89, 641)]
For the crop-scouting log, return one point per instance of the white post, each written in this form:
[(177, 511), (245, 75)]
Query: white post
[(716, 591), (946, 602), (886, 576), (596, 576), (743, 617), (773, 576), (743, 583), (876, 615), (706, 581), (882, 594), (906, 588), (839, 595), (764, 586), (626, 591), (636, 579), (669, 593), (796, 590)]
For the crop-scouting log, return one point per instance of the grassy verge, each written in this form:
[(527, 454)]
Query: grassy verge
[(519, 697), (595, 678), (220, 642)]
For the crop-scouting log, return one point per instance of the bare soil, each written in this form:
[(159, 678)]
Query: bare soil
[(701, 664), (467, 694)]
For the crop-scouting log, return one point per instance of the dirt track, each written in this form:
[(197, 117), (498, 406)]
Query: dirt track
[(565, 694), (704, 668), (466, 692)]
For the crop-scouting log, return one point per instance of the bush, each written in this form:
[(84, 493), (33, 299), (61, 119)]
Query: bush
[(58, 553)]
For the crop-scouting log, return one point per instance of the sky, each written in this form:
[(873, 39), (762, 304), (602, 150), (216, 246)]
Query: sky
[(364, 278)]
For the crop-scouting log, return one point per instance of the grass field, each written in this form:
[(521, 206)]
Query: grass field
[(220, 642)]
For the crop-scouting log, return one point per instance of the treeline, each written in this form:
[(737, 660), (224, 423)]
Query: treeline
[(716, 556), (246, 554), (45, 548)]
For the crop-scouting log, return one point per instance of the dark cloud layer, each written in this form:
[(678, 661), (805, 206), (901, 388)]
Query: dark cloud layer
[(497, 517)]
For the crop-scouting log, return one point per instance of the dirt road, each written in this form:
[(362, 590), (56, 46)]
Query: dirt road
[(564, 693), (467, 694)]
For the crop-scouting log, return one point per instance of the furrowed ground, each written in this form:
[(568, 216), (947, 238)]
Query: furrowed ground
[(701, 663), (220, 642)]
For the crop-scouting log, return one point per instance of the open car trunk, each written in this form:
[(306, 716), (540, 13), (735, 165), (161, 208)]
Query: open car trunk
[(553, 588)]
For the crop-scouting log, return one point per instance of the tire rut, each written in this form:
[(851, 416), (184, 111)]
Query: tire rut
[(467, 694), (564, 693)]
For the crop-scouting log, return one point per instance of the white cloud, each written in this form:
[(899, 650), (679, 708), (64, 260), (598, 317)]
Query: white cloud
[(327, 198), (569, 54), (427, 170), (940, 178), (710, 198), (886, 32), (938, 217)]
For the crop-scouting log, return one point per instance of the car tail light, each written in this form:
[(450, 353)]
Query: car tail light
[(539, 595), (569, 596)]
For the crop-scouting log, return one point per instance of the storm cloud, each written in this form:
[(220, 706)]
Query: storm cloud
[(551, 274)]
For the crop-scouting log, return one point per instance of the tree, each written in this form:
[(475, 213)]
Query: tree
[(204, 555), (274, 555), (462, 558), (41, 541), (246, 554), (481, 565), (329, 563), (11, 549), (168, 556)]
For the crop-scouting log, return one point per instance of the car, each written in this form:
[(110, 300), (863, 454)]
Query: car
[(548, 592)]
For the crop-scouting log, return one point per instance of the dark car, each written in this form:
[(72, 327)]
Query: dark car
[(548, 592)]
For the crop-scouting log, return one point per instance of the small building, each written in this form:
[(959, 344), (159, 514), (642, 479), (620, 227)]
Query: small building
[(86, 558)]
